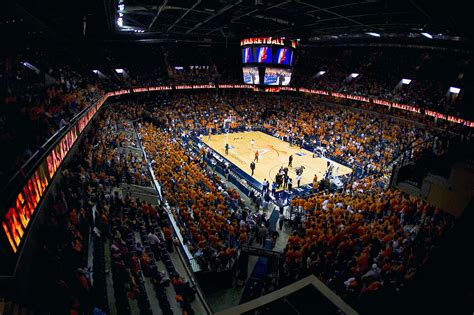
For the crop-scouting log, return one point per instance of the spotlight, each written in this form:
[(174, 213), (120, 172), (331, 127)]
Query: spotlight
[(427, 35), (454, 90), (373, 34)]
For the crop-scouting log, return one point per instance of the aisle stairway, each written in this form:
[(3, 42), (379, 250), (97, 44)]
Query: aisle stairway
[(444, 181), (260, 270)]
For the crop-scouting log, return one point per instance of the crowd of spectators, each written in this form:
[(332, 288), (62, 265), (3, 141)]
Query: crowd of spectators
[(45, 99), (205, 209), (64, 237), (381, 70), (117, 151), (200, 111), (363, 243), (206, 65), (91, 203), (358, 242), (192, 75), (37, 105), (365, 141)]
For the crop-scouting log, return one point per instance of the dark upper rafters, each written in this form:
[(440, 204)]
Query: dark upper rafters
[(256, 10), (224, 9), (165, 2), (291, 18), (184, 14), (330, 12)]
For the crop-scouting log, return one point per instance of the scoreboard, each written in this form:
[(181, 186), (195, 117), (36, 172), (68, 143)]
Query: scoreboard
[(267, 60)]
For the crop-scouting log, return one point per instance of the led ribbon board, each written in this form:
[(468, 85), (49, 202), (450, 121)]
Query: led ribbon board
[(16, 218)]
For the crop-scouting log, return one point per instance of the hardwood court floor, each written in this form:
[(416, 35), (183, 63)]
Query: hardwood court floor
[(273, 152)]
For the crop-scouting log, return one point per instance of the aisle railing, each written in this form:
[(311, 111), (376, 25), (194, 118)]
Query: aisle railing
[(189, 262)]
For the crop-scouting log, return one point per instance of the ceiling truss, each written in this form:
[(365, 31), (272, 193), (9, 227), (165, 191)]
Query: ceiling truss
[(291, 18)]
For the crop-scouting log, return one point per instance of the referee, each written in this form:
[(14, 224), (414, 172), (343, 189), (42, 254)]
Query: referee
[(252, 166)]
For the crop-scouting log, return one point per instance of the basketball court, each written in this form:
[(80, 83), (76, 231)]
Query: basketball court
[(273, 153)]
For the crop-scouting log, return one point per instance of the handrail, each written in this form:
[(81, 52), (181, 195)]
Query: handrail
[(410, 147), (400, 159), (157, 187), (251, 306), (187, 263), (259, 251)]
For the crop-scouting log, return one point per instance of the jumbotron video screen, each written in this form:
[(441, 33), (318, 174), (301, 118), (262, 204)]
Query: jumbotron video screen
[(277, 76), (251, 75), (267, 60)]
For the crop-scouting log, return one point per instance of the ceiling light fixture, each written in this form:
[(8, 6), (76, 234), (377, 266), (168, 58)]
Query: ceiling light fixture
[(427, 35), (373, 34), (454, 90)]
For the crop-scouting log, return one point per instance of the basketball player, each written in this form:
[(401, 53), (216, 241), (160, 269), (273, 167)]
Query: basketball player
[(315, 183), (226, 148), (252, 142), (290, 161), (252, 167), (256, 156)]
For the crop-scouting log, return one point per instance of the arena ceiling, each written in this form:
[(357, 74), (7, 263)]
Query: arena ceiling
[(220, 21), (305, 19)]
